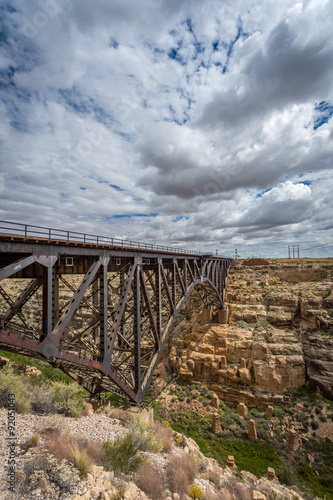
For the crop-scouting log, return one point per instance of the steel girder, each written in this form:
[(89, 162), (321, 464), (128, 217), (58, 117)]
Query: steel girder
[(108, 331)]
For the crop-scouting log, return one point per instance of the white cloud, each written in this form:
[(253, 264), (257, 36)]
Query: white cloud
[(209, 114)]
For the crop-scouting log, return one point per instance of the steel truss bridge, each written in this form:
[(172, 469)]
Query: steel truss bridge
[(100, 309)]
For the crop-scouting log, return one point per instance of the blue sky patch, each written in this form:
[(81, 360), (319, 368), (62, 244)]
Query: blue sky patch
[(129, 216), (259, 195), (180, 217), (306, 183), (323, 112)]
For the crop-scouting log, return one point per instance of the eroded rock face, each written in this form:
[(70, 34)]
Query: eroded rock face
[(227, 355), (318, 352), (268, 346)]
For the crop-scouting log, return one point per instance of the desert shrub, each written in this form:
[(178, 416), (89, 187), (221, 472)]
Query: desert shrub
[(42, 400), (48, 371), (80, 459), (315, 424), (150, 481), (236, 418), (238, 433), (195, 492), (82, 453), (285, 475), (181, 472), (303, 417), (57, 444), (94, 449), (278, 412), (164, 435), (10, 383), (34, 439), (54, 480), (22, 402), (179, 482), (322, 418), (68, 398), (122, 456), (179, 441), (226, 421), (119, 414)]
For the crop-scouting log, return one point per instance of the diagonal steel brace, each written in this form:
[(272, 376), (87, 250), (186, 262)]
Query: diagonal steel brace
[(51, 341)]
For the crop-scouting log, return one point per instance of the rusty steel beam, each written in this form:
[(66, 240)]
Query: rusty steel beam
[(16, 267), (52, 340), (133, 299)]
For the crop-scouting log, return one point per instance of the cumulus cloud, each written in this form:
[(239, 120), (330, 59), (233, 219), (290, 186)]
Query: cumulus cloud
[(205, 124)]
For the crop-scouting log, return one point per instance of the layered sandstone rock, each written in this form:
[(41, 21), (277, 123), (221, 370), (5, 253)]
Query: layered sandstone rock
[(231, 356), (279, 335)]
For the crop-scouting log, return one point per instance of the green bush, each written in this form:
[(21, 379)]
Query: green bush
[(10, 383), (122, 456), (68, 399), (278, 412), (315, 424), (48, 371)]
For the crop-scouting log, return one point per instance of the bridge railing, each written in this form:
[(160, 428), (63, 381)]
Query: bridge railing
[(30, 232), (21, 331)]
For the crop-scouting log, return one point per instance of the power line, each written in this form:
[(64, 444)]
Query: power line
[(319, 246)]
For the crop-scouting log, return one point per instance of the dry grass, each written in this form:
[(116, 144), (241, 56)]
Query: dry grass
[(93, 448), (165, 435), (118, 414), (81, 460), (57, 444), (34, 439), (150, 481), (181, 471), (82, 453)]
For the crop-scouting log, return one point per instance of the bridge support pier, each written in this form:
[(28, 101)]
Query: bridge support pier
[(206, 316), (223, 316)]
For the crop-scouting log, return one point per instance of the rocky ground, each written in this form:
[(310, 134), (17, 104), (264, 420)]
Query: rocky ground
[(214, 481)]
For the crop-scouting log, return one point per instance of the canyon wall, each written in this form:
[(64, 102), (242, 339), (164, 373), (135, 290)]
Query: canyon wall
[(280, 334)]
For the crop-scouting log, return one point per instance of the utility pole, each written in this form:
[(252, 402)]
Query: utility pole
[(236, 254), (294, 249)]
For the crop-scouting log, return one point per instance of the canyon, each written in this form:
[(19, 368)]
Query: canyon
[(279, 335)]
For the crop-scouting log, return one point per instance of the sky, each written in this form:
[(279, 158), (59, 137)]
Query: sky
[(202, 124)]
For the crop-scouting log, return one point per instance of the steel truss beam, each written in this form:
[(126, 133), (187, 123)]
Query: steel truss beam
[(110, 334)]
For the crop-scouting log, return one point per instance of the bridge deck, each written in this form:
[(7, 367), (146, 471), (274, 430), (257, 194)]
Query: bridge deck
[(10, 231)]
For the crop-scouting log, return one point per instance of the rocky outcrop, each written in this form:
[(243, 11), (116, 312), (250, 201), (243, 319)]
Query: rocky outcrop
[(318, 353), (234, 359), (279, 335)]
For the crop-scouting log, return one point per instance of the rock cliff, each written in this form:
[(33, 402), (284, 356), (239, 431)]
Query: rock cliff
[(279, 335)]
